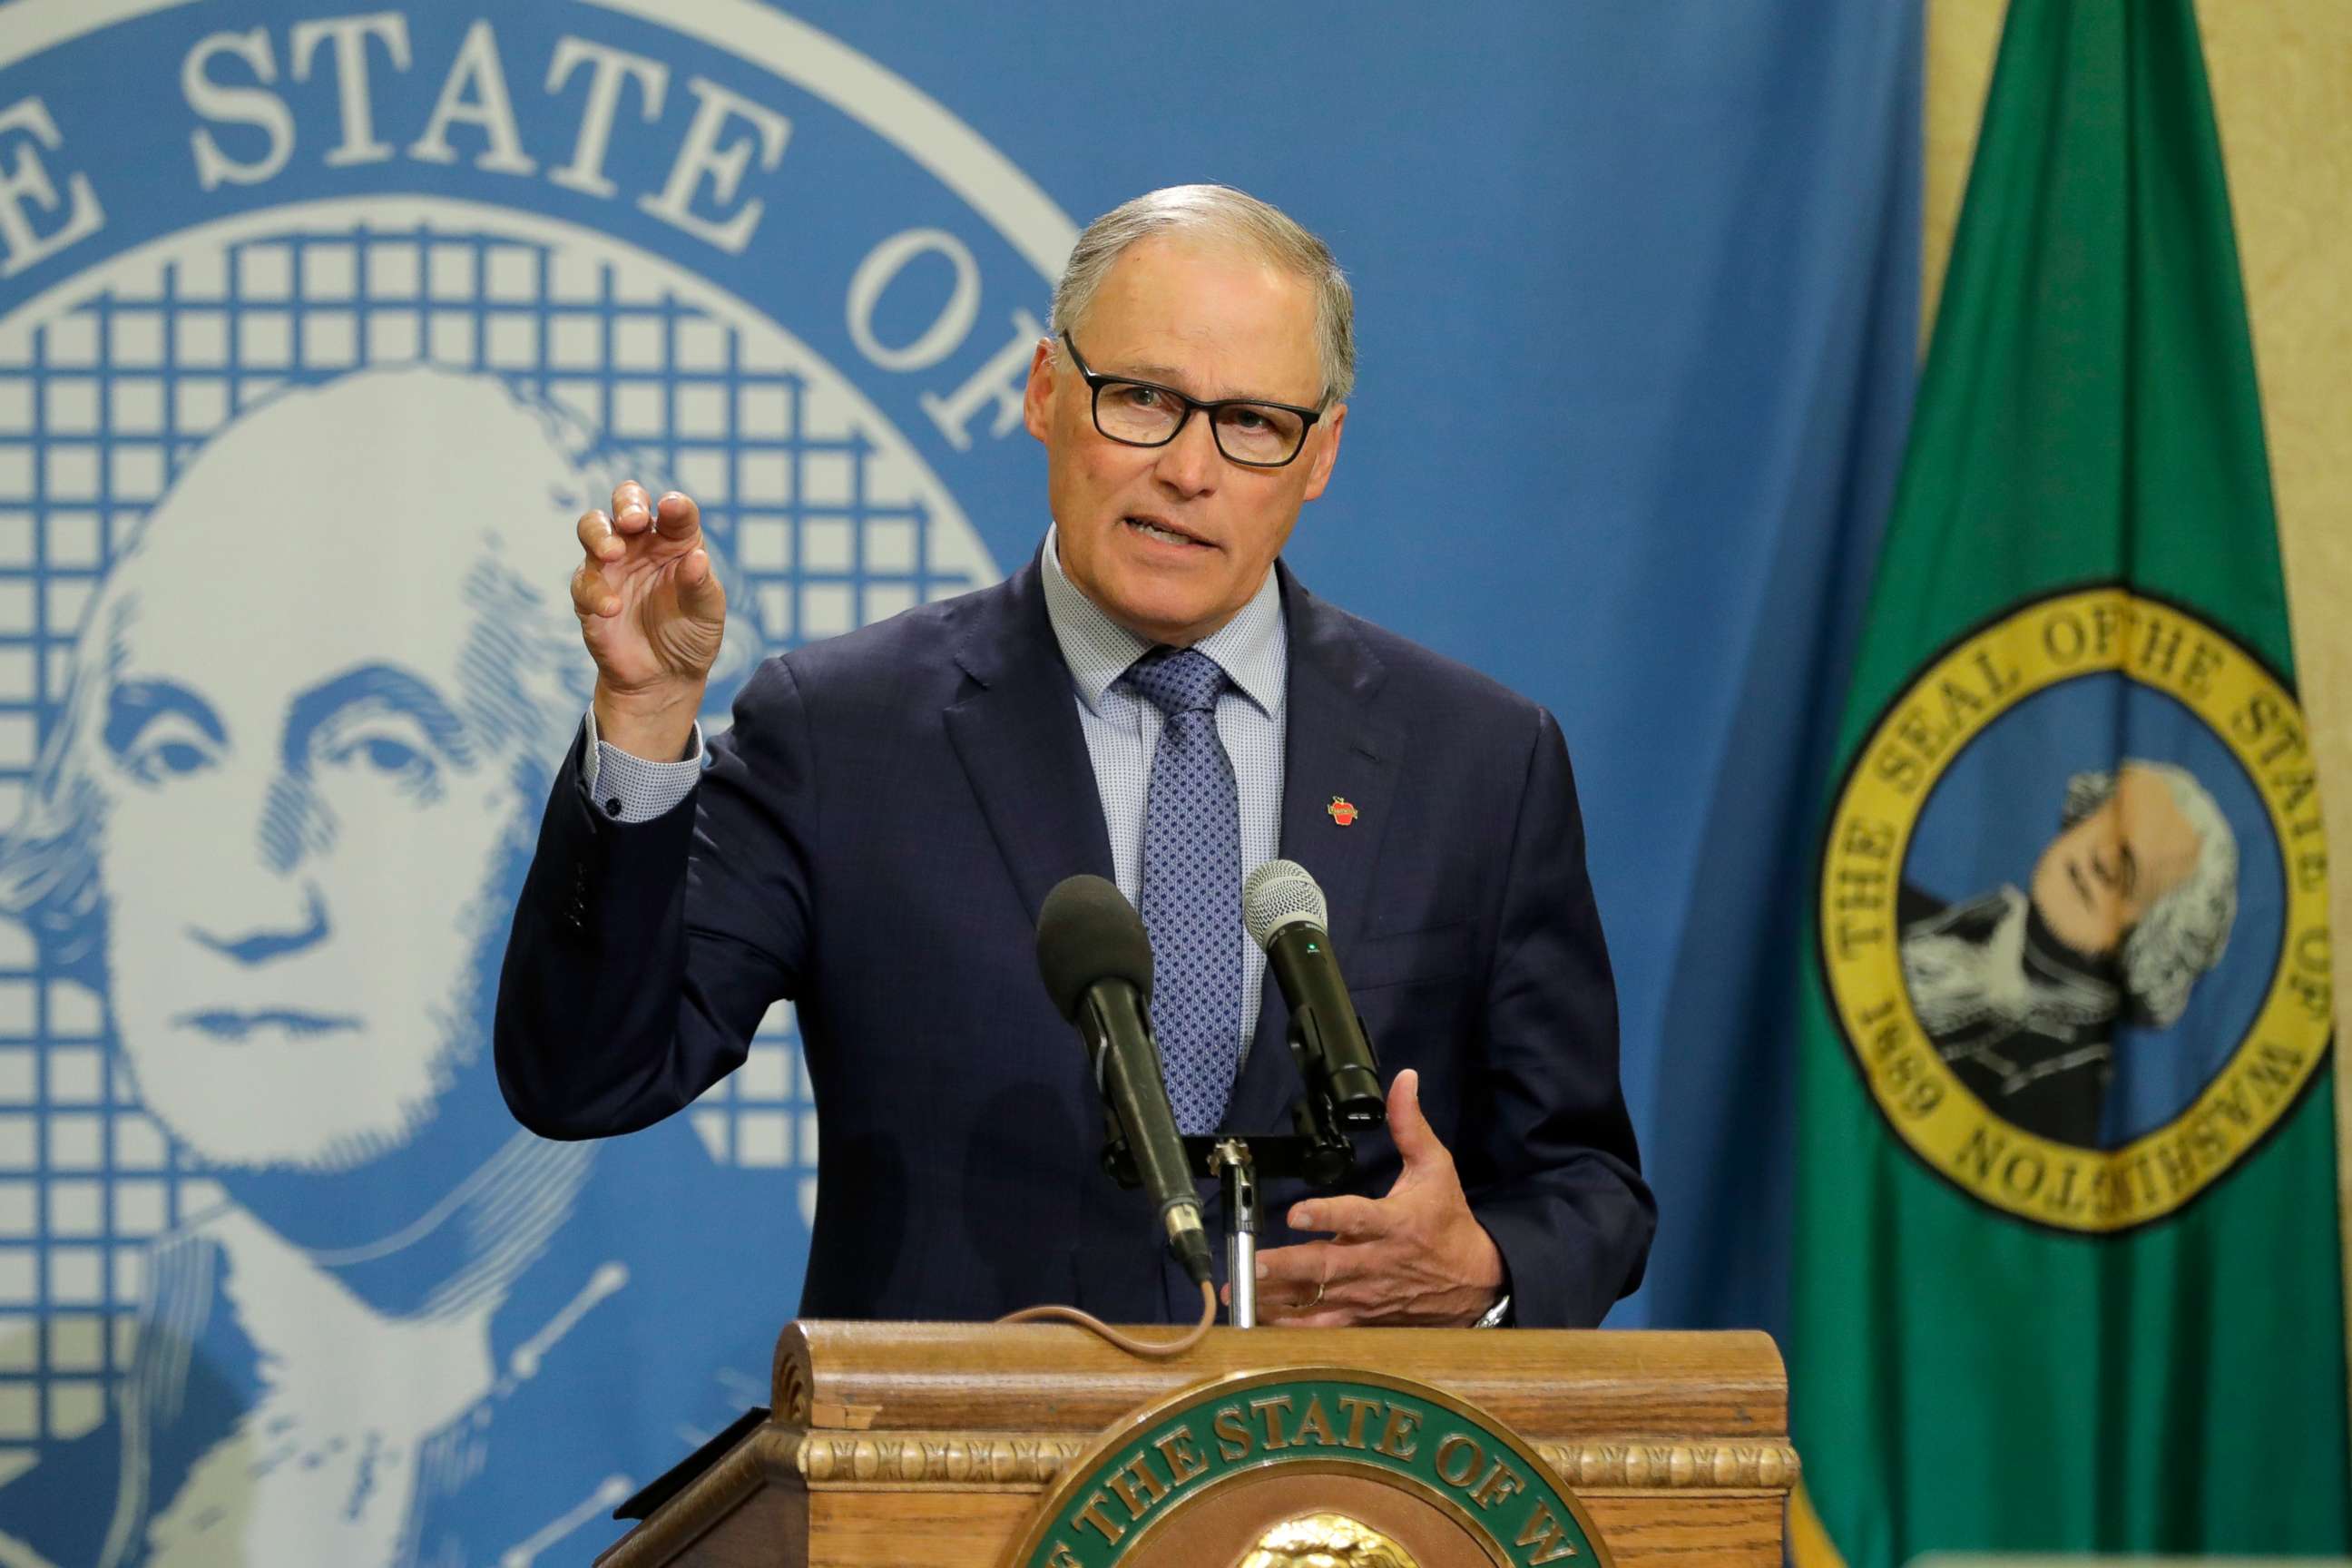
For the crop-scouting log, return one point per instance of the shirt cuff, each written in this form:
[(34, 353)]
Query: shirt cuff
[(630, 789)]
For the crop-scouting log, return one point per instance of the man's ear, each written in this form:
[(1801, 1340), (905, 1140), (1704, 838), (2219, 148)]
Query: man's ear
[(1036, 400), (1327, 450)]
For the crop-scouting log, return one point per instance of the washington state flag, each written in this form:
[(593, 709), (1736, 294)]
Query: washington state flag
[(2068, 1270)]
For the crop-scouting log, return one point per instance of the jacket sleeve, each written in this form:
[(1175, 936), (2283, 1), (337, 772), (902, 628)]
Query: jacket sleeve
[(643, 955), (1554, 1175)]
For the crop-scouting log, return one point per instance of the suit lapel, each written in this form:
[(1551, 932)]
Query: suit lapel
[(1021, 745), (1022, 748), (1337, 744)]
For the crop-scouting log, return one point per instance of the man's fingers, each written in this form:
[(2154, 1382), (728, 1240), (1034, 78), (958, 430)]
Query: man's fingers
[(633, 509), (596, 536), (1294, 1280), (1294, 1273), (1319, 1318), (677, 517), (1351, 1218), (591, 595), (1416, 1140), (699, 593)]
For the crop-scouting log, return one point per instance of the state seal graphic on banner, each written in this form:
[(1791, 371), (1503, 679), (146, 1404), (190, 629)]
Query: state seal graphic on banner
[(2072, 910), (318, 328)]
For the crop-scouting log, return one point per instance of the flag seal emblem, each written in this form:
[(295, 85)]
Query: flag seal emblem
[(2072, 912)]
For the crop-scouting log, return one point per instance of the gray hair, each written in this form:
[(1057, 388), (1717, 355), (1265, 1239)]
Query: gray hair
[(1222, 213), (2183, 934)]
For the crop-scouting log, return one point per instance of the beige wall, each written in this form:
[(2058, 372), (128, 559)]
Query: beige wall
[(2282, 73)]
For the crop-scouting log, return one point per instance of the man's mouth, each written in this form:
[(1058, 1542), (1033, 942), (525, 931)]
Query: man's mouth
[(228, 1023), (1155, 528)]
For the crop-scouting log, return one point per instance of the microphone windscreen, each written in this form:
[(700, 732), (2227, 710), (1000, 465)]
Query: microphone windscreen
[(1281, 893), (1087, 932)]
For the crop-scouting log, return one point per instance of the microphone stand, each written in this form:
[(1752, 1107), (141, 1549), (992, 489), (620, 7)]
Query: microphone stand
[(1230, 1161), (1318, 1152)]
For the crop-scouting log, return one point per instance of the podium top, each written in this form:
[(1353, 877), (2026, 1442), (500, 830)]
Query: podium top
[(1552, 1386)]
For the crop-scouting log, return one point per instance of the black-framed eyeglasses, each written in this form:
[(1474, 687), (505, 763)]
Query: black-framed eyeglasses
[(1248, 430)]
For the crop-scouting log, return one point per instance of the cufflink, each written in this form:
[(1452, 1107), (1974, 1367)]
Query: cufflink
[(612, 806)]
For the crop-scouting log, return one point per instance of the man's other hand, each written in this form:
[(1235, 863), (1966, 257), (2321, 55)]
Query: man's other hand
[(651, 611), (1417, 1256)]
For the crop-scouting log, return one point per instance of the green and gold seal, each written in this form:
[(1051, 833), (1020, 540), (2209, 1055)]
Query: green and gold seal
[(1311, 1466), (2092, 1038)]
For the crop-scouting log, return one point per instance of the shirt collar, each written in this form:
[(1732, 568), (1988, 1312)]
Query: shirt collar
[(1251, 648)]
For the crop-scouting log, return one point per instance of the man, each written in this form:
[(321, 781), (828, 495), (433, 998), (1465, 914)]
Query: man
[(2130, 904), (1154, 698), (281, 829)]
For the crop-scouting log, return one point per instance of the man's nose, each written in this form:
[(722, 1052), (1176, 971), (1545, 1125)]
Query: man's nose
[(258, 942), (294, 824), (269, 906), (1190, 464)]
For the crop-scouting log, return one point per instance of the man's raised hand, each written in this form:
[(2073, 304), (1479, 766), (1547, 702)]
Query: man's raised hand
[(651, 611)]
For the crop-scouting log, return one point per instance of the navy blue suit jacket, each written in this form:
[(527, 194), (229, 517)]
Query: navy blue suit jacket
[(874, 838)]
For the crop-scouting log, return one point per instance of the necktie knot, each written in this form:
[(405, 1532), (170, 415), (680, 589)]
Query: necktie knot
[(1178, 681)]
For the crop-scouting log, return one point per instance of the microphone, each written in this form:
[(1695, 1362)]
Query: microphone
[(1288, 918), (1097, 963)]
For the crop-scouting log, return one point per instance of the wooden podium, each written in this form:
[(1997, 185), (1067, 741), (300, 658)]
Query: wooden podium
[(974, 1446)]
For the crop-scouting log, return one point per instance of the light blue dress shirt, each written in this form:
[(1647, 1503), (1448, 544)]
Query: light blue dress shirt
[(1121, 731)]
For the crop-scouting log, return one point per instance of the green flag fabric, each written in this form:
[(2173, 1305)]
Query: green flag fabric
[(2067, 1253)]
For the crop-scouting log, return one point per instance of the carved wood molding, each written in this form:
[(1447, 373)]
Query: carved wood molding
[(768, 1452), (1024, 1462), (1027, 1462), (1641, 1466), (791, 1397), (1020, 1461), (790, 1379)]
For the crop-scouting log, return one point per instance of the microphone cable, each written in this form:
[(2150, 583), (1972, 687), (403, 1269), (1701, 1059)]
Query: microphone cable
[(1147, 1350)]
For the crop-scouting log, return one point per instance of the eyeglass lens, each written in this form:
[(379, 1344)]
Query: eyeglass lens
[(1245, 432)]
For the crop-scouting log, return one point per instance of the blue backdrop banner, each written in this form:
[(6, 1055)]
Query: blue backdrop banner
[(319, 327)]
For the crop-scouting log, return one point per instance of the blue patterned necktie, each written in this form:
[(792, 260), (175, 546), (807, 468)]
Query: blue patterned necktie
[(1193, 886)]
